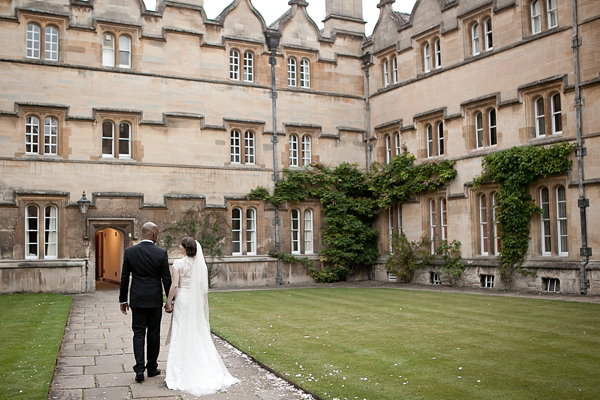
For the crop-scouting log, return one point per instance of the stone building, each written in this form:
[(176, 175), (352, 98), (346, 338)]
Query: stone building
[(152, 113)]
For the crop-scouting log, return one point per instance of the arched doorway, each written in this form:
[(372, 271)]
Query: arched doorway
[(109, 255)]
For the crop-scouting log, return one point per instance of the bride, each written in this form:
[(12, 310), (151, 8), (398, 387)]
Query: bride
[(193, 364)]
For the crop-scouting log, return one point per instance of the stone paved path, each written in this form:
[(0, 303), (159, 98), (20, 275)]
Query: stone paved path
[(96, 360)]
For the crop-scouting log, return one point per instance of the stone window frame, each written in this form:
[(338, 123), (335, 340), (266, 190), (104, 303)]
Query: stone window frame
[(243, 207), (487, 281), (553, 220), (234, 64), (394, 223), (430, 142), (476, 23), (388, 67), (117, 31), (428, 41), (44, 21), (546, 92), (470, 112), (544, 17), (296, 135), (490, 241), (116, 119), (301, 209), (42, 113), (41, 201), (391, 145), (537, 230), (294, 78), (244, 75), (245, 127), (435, 220), (304, 73)]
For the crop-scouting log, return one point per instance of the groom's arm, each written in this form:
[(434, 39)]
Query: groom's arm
[(165, 274), (124, 287)]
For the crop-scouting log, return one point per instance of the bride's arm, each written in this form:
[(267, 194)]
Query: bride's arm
[(174, 286)]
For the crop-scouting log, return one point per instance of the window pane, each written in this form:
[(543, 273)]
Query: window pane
[(248, 66), (489, 43), (234, 65), (108, 50), (556, 114), (33, 41), (536, 26), (50, 136), (386, 78), (483, 225), (124, 52), (250, 231), (51, 232), (32, 127), (540, 121), (429, 141), (124, 140), (432, 226), (51, 43), (388, 149), (31, 232), (479, 130), (291, 71), (249, 148), (306, 151), (545, 220), (107, 139), (561, 215), (235, 146), (236, 231), (552, 16), (438, 54), (295, 231), (493, 132), (426, 58), (475, 39), (293, 151), (440, 134), (305, 74), (308, 231)]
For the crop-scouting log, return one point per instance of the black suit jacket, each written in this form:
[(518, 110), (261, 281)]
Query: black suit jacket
[(148, 265)]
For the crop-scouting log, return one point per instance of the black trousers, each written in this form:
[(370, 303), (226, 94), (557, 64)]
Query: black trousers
[(146, 324)]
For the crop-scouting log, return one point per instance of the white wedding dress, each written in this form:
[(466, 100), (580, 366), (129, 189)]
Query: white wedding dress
[(193, 364)]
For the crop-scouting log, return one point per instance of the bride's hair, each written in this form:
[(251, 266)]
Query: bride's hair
[(189, 244)]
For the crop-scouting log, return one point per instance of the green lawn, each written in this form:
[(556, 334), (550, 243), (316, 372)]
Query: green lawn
[(397, 344), (31, 330)]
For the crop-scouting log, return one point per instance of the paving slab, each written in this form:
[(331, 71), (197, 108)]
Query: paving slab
[(96, 360)]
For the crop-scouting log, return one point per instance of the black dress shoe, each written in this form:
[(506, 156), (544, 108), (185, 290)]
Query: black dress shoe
[(139, 377), (153, 373)]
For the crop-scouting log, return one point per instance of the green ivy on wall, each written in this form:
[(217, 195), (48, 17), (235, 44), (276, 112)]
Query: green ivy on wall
[(350, 200), (514, 169)]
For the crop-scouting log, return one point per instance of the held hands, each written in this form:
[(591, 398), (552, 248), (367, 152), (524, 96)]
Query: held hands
[(124, 308), (169, 308)]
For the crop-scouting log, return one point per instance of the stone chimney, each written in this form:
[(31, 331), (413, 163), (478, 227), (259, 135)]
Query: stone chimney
[(344, 15)]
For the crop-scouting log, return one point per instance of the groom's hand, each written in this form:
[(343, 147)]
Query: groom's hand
[(124, 307), (168, 309)]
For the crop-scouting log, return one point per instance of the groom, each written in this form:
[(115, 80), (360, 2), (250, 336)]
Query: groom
[(148, 265)]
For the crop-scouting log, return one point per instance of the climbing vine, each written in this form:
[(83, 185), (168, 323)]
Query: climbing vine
[(514, 169), (208, 228), (350, 200)]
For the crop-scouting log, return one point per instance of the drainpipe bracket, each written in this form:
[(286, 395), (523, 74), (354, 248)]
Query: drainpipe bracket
[(583, 203), (585, 252)]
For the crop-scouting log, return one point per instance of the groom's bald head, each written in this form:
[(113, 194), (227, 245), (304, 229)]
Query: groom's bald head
[(150, 231)]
